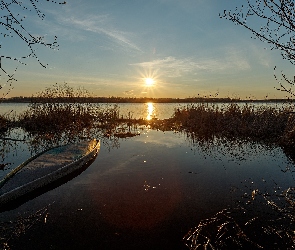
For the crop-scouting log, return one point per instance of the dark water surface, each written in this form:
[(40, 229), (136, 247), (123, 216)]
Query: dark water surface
[(145, 194)]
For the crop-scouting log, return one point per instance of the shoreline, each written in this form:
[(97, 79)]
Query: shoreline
[(141, 100)]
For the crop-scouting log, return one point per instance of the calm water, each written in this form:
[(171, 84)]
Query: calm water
[(144, 192), (135, 110)]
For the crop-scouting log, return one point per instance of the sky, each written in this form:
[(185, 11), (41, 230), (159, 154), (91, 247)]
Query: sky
[(112, 47)]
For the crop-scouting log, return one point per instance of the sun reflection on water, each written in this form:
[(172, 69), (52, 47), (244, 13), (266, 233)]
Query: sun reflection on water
[(150, 111)]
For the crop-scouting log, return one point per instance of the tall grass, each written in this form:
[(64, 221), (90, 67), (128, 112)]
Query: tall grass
[(61, 108), (6, 122), (58, 108), (3, 123), (247, 122), (62, 113)]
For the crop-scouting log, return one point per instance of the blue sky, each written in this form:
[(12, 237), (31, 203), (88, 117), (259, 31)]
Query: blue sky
[(110, 47)]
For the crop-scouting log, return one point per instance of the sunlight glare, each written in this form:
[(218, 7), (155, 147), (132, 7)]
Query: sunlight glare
[(150, 111), (149, 81)]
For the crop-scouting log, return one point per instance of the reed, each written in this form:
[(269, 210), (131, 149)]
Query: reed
[(233, 121), (62, 108), (5, 123), (58, 108)]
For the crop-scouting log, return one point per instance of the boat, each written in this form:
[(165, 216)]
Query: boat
[(45, 168)]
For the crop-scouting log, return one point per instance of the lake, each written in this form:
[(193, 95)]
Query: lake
[(138, 110), (135, 110), (149, 191)]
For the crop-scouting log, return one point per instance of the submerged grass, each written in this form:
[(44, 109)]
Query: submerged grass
[(261, 220), (7, 121), (3, 123), (53, 115), (57, 117), (59, 109), (63, 109), (200, 121)]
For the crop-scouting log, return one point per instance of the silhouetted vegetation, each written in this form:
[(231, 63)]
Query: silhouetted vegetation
[(62, 109), (58, 115), (199, 120), (3, 123), (47, 114), (7, 121), (246, 122)]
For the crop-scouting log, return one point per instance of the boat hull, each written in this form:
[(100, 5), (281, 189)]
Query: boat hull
[(44, 180)]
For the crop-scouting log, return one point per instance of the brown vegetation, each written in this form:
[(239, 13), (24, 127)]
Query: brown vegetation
[(46, 113), (200, 121), (5, 123), (49, 114), (246, 122)]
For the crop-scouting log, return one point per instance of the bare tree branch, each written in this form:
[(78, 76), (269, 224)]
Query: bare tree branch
[(279, 23), (278, 29), (12, 23)]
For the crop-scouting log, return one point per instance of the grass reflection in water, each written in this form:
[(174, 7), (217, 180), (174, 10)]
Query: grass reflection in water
[(209, 163)]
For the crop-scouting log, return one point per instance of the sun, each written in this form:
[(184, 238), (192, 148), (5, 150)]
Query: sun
[(149, 81)]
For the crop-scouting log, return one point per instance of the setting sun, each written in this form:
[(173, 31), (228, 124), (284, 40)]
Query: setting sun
[(149, 81)]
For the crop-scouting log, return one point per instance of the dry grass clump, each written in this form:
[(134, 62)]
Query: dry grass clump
[(6, 122), (261, 220), (58, 108), (234, 121), (3, 123)]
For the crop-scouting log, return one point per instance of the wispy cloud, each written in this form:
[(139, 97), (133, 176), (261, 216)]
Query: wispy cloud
[(128, 92), (101, 25), (176, 67), (261, 56)]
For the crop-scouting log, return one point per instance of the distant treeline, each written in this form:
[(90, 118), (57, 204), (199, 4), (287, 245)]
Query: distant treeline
[(112, 99)]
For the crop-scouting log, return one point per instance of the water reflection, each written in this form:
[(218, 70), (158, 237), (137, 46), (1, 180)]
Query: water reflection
[(156, 188), (18, 227), (17, 145), (164, 182), (150, 111), (262, 217)]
